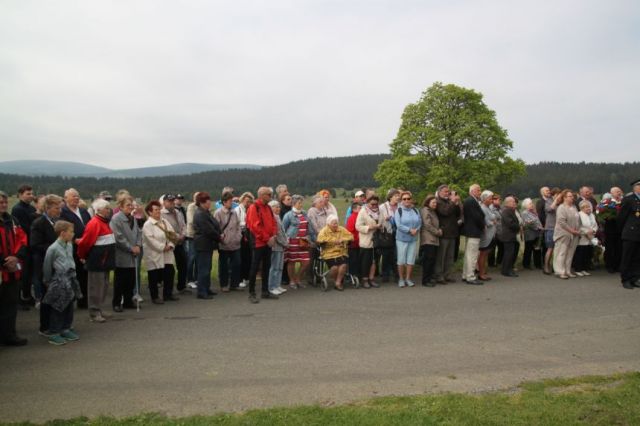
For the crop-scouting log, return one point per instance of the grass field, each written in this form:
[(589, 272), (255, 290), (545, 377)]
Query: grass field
[(593, 400)]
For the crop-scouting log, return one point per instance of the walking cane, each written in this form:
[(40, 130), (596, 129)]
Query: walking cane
[(136, 297)]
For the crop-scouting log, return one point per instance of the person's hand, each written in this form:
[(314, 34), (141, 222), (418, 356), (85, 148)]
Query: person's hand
[(11, 263), (387, 218), (135, 250), (272, 241), (590, 234), (413, 232), (439, 232), (83, 261), (167, 247)]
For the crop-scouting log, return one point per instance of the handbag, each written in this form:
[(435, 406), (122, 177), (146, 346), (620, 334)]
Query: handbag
[(383, 239)]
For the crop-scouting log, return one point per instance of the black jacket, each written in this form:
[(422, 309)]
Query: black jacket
[(206, 230), (474, 224), (25, 214), (78, 225), (42, 236), (510, 226), (448, 216), (629, 218)]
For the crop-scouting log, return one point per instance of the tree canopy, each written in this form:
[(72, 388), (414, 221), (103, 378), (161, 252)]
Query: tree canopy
[(449, 136)]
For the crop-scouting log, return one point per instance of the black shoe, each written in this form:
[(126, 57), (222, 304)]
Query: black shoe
[(510, 274), (15, 341), (212, 293), (636, 283), (385, 279), (171, 298), (128, 306), (270, 296), (185, 291), (24, 306), (157, 301), (628, 285), (117, 308), (205, 297), (474, 282), (253, 298)]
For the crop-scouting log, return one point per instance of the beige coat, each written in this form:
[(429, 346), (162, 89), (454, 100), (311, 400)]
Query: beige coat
[(364, 222), (430, 231), (153, 243), (566, 217), (191, 210)]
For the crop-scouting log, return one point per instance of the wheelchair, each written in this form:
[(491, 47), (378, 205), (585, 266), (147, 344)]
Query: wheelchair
[(320, 271)]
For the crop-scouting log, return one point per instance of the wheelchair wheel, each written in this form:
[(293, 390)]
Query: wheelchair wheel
[(324, 284), (355, 281)]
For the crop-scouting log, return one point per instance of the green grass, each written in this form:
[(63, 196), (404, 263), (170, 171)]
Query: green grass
[(593, 400)]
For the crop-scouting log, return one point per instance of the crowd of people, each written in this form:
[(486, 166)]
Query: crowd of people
[(57, 253)]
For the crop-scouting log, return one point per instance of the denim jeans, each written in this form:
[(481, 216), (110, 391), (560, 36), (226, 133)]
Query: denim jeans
[(275, 273), (192, 271), (61, 321), (203, 262), (229, 264)]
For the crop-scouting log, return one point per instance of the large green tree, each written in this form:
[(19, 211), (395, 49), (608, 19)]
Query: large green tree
[(449, 136)]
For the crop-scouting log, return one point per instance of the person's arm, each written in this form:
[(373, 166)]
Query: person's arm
[(151, 242), (121, 241), (400, 226), (47, 266), (323, 236), (346, 235), (88, 238)]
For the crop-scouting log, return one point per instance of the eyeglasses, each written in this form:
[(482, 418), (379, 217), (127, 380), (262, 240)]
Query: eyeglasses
[(406, 198), (373, 204)]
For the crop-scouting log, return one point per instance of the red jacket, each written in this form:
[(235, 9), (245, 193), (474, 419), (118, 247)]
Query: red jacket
[(96, 227), (261, 223), (13, 242), (351, 227)]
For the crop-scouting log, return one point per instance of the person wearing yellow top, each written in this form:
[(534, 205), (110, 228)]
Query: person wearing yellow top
[(334, 240)]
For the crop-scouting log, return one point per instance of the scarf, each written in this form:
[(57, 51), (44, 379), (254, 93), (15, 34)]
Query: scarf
[(374, 214)]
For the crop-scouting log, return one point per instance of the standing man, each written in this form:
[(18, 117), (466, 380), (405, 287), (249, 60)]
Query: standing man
[(612, 241), (177, 222), (263, 227), (13, 253), (72, 212), (473, 228), (448, 215), (178, 203), (509, 236), (629, 224), (25, 213)]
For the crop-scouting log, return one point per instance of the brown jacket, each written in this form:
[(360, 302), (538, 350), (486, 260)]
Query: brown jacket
[(430, 231)]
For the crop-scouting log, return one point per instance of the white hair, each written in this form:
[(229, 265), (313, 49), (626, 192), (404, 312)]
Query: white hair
[(332, 218), (526, 203), (486, 194), (99, 204)]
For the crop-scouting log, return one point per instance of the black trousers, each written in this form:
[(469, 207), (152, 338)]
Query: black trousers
[(612, 252), (354, 261), (25, 285), (164, 276), (630, 262), (124, 281), (9, 297), (83, 277), (260, 255), (181, 264), (429, 254), (496, 253), (529, 252), (388, 266), (366, 260), (509, 256), (581, 258), (61, 321), (245, 259)]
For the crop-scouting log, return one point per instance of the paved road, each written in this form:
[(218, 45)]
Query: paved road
[(202, 357)]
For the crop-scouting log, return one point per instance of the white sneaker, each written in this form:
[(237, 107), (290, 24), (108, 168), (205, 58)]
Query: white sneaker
[(401, 283), (192, 284), (275, 292), (580, 274), (586, 274), (137, 298), (243, 284), (282, 289), (410, 283)]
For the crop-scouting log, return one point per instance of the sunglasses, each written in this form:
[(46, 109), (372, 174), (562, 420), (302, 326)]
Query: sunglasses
[(406, 198)]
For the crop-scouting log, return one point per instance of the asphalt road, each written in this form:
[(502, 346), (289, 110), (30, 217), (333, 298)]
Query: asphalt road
[(203, 357)]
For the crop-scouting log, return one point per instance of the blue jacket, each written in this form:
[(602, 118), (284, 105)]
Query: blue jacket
[(290, 224), (410, 219)]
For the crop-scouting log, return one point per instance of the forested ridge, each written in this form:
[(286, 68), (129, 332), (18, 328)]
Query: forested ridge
[(308, 176)]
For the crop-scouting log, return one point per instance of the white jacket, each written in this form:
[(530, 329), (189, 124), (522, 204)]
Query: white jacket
[(153, 243), (587, 223), (364, 222)]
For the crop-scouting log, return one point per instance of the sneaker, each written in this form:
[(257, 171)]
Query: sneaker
[(192, 284), (580, 274), (243, 284), (97, 318), (270, 296), (282, 289), (253, 298), (374, 284), (45, 333), (69, 336), (57, 340), (107, 315), (410, 283), (274, 292), (293, 286), (586, 274), (401, 283)]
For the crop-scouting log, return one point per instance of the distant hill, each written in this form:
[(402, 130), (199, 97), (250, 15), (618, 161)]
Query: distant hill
[(74, 169)]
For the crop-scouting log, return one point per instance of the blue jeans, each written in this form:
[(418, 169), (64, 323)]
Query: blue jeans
[(229, 264), (60, 321), (275, 272), (203, 262), (192, 271)]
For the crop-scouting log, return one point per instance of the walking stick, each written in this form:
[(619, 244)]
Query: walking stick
[(136, 296)]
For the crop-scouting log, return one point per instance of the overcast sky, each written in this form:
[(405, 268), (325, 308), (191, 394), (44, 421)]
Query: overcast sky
[(141, 83)]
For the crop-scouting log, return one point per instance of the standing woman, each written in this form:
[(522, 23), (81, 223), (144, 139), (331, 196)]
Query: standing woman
[(246, 199), (408, 223), (550, 206), (429, 239), (388, 254), (229, 249), (588, 229), (487, 240), (207, 235), (368, 222), (158, 256), (301, 233), (97, 250), (128, 242), (566, 234), (532, 233)]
